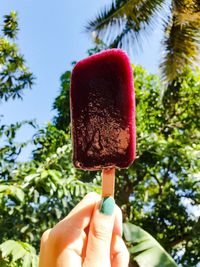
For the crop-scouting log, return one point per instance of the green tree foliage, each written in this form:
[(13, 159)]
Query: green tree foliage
[(61, 103), (124, 23), (19, 253), (166, 171), (14, 78), (14, 75), (145, 249)]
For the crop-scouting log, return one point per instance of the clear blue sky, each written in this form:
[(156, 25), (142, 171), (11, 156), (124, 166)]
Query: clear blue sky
[(51, 37)]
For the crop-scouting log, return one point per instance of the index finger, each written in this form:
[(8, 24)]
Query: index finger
[(72, 227), (81, 215)]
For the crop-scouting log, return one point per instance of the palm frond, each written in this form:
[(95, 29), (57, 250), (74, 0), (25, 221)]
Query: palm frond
[(120, 24), (183, 18), (186, 11), (182, 41), (116, 10)]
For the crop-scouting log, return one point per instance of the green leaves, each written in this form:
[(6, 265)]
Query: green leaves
[(61, 103), (10, 26), (167, 165), (144, 249), (14, 75), (12, 190), (19, 252)]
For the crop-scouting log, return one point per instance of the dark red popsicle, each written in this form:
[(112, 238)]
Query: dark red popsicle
[(103, 111)]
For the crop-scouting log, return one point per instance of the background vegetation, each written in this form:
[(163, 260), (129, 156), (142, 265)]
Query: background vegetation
[(159, 192)]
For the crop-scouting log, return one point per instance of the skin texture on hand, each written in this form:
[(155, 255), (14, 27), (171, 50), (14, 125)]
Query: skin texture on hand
[(86, 237)]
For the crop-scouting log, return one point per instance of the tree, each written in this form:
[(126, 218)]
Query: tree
[(14, 78), (166, 171), (61, 103), (14, 75), (124, 22)]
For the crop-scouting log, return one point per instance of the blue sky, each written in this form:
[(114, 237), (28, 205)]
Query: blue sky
[(51, 37)]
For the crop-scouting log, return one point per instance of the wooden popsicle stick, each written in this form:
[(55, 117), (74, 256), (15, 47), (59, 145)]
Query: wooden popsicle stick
[(108, 182)]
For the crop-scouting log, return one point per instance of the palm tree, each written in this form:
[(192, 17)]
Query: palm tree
[(124, 21)]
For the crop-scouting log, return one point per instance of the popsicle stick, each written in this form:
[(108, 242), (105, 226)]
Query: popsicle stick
[(108, 182)]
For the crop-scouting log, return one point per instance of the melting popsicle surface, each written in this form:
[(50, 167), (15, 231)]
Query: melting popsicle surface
[(103, 111)]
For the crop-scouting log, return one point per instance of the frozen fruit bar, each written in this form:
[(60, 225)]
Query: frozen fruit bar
[(103, 111)]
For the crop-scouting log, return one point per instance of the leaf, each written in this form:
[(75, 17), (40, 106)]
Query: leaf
[(18, 253), (77, 190), (3, 188), (10, 27), (23, 230), (18, 193), (34, 261), (145, 249), (6, 248), (27, 261), (55, 175), (31, 177), (19, 250), (14, 191)]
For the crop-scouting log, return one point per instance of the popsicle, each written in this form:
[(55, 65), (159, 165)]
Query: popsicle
[(103, 111)]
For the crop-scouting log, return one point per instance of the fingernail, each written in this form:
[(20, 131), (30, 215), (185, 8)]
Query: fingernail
[(107, 205)]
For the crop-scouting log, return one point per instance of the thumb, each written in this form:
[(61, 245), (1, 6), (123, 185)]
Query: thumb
[(100, 234)]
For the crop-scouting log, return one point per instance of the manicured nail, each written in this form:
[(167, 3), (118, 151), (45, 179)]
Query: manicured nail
[(107, 205)]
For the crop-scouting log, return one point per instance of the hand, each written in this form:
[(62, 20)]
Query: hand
[(90, 236)]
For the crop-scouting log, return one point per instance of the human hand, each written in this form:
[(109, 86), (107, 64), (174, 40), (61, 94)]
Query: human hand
[(89, 236)]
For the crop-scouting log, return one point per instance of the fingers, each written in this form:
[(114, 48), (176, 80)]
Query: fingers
[(80, 216), (67, 258), (72, 226), (52, 256), (118, 221), (100, 234), (119, 252), (44, 239), (68, 242)]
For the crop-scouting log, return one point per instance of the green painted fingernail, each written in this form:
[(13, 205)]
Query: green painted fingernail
[(107, 205)]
